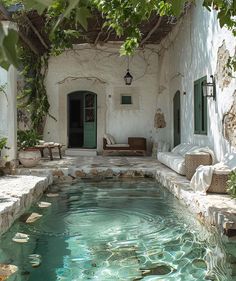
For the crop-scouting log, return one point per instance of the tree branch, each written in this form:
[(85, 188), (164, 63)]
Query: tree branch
[(108, 35), (98, 36), (151, 31)]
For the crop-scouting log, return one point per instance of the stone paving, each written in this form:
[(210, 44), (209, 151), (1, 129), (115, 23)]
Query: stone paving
[(214, 209)]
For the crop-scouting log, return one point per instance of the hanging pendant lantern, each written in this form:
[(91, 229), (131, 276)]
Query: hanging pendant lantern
[(128, 77)]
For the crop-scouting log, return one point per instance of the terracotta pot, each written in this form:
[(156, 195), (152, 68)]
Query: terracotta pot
[(30, 157)]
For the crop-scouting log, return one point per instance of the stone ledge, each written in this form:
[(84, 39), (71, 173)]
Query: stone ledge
[(213, 209), (17, 193)]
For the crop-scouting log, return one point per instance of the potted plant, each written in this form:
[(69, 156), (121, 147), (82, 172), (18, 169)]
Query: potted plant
[(231, 184), (29, 155)]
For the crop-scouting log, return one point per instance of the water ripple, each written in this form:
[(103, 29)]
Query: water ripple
[(129, 232)]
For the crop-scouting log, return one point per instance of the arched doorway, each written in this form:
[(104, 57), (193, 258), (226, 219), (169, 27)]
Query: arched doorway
[(176, 116), (82, 120)]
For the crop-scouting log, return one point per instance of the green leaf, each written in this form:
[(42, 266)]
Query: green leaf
[(3, 62), (8, 52), (72, 5), (9, 47), (82, 15), (39, 5), (177, 6)]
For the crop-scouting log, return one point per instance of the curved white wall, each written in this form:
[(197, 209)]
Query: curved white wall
[(190, 52)]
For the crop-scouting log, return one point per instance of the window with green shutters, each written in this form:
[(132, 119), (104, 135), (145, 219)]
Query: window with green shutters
[(200, 108)]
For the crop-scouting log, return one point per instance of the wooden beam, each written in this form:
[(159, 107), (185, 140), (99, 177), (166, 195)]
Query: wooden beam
[(151, 31), (36, 32), (5, 12), (24, 38)]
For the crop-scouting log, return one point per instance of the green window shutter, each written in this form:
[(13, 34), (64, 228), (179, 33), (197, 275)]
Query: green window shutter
[(196, 109), (203, 110), (200, 108)]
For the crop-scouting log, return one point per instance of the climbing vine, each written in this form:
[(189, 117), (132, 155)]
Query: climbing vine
[(33, 97)]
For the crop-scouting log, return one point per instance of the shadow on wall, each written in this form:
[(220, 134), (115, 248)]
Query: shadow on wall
[(196, 61)]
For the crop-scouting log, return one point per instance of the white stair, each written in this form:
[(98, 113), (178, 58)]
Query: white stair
[(80, 152)]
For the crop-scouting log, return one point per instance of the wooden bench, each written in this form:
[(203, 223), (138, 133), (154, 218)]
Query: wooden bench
[(135, 146)]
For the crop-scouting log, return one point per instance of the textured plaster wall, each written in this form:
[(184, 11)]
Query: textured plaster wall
[(101, 70), (8, 124), (3, 104), (8, 127), (196, 47)]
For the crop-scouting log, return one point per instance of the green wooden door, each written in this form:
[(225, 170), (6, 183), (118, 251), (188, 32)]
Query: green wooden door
[(176, 114), (90, 120)]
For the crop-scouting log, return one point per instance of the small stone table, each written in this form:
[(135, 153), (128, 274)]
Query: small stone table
[(41, 148)]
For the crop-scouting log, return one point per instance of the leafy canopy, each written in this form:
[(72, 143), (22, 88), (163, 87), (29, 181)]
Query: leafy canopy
[(124, 16)]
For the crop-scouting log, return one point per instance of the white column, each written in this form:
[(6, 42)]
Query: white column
[(12, 113)]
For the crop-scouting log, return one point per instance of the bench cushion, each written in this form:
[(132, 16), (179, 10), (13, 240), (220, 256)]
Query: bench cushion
[(173, 160), (184, 148), (117, 145)]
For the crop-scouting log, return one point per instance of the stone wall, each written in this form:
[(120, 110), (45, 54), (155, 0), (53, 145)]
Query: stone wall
[(229, 124)]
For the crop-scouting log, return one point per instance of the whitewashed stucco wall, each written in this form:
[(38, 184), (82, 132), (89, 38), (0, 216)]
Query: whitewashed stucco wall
[(8, 112), (3, 104), (188, 53), (8, 124), (101, 70)]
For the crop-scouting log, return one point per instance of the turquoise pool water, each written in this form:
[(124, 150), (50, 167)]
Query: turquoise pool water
[(126, 230)]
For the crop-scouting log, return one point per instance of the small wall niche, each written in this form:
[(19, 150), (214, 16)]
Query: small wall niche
[(126, 99)]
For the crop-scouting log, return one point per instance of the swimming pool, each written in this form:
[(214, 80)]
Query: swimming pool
[(114, 230)]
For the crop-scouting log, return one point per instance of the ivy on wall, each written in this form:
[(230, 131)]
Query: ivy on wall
[(33, 97)]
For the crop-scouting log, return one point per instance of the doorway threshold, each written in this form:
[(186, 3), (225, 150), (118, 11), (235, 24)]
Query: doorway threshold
[(81, 152)]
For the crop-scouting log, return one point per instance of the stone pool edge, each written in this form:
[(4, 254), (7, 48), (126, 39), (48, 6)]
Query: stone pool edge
[(17, 194), (213, 209)]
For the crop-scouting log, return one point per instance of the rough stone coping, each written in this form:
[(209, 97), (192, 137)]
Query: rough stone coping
[(214, 209), (18, 193)]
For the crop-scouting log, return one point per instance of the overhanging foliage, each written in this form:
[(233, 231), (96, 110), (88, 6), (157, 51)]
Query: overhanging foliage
[(124, 17), (63, 23)]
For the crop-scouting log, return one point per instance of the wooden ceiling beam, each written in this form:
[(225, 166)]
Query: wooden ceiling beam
[(36, 32), (23, 37)]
